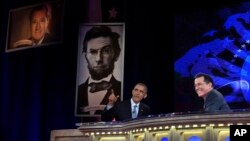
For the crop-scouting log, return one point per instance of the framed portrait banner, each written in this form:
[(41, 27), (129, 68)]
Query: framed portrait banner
[(35, 26), (99, 67)]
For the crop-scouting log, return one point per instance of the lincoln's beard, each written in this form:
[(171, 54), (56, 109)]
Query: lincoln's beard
[(97, 75)]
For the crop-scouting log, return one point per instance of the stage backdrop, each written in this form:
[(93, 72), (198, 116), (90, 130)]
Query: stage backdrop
[(214, 41)]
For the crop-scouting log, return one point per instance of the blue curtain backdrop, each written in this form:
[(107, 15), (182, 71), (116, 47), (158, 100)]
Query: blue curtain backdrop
[(37, 86)]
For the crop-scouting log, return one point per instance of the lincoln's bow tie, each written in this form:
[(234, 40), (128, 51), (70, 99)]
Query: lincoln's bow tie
[(95, 87)]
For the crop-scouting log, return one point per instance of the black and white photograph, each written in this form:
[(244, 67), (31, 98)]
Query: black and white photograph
[(100, 66)]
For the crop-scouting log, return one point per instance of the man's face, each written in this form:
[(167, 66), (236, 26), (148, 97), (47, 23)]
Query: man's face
[(39, 25), (100, 57), (201, 87), (138, 93)]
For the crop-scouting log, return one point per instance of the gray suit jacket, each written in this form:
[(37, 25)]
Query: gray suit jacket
[(215, 102)]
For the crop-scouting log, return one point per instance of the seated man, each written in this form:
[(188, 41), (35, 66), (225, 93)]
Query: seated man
[(213, 99), (128, 109)]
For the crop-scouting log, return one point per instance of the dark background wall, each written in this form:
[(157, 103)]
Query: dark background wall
[(37, 86)]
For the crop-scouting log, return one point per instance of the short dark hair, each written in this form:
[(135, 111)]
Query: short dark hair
[(144, 85), (207, 78), (103, 31)]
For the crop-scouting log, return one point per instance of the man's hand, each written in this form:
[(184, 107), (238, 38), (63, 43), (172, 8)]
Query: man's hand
[(112, 98)]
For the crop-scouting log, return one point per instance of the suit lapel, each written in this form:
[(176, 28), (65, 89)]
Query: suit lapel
[(128, 109), (141, 111), (114, 87)]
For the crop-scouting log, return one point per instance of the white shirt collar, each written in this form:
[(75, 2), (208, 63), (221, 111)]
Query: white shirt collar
[(133, 103), (39, 42)]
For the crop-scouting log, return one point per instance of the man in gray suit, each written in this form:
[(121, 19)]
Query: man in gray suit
[(213, 99)]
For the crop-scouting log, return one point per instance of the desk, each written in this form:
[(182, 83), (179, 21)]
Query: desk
[(171, 127)]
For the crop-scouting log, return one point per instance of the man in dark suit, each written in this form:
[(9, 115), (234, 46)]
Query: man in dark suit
[(213, 99), (102, 50), (83, 102), (39, 19), (129, 109)]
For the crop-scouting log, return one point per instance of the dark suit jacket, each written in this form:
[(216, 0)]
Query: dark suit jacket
[(48, 38), (215, 102), (24, 43), (82, 95), (122, 111)]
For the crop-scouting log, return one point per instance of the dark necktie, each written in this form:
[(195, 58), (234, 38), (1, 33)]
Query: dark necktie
[(95, 87)]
